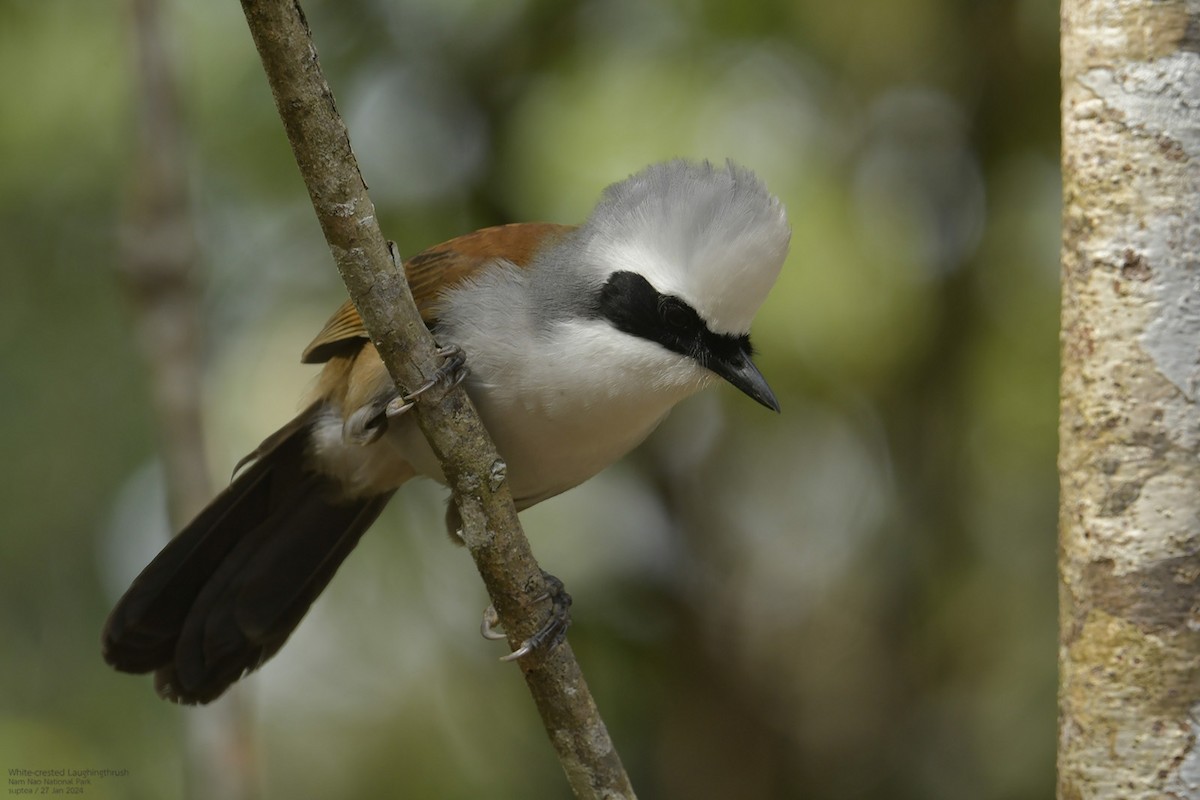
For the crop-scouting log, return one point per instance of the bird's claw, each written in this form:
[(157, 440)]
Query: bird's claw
[(552, 631), (397, 406), (453, 369), (490, 627)]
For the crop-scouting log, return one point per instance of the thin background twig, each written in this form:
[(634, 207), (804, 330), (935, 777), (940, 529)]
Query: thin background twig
[(159, 267)]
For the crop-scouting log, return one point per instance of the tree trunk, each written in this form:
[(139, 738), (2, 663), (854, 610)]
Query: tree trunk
[(1129, 538)]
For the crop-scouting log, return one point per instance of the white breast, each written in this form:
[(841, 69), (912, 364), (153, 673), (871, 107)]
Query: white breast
[(563, 410), (586, 397)]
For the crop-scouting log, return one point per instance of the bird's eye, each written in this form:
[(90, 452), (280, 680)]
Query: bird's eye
[(674, 313)]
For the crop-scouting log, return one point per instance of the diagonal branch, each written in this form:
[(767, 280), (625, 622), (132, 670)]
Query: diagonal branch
[(472, 466)]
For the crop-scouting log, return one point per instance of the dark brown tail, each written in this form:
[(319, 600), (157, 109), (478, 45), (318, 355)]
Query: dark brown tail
[(224, 595)]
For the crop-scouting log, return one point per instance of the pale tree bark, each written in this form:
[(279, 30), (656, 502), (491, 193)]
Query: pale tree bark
[(1129, 539)]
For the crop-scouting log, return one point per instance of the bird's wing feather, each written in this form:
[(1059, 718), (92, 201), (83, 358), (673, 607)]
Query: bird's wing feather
[(431, 272)]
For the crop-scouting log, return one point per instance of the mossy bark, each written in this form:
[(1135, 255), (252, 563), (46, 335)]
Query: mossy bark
[(1129, 461)]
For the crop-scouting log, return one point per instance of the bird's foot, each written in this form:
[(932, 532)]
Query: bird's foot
[(552, 632), (368, 423), (453, 371)]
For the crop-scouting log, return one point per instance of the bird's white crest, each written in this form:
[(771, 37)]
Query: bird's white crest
[(712, 236)]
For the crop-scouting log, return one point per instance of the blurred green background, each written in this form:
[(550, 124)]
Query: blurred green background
[(855, 599)]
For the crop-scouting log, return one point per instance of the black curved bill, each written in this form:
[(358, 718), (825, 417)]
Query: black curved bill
[(739, 370)]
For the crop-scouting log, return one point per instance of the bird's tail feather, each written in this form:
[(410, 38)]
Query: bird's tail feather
[(224, 595)]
